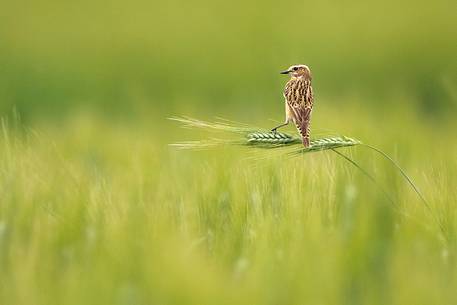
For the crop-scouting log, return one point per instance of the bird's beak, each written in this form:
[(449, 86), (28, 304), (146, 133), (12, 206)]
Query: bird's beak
[(285, 72)]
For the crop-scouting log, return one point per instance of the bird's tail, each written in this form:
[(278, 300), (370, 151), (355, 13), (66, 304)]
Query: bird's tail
[(305, 140), (302, 121), (303, 129)]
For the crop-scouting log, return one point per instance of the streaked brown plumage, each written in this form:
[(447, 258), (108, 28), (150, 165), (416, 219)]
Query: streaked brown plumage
[(298, 95)]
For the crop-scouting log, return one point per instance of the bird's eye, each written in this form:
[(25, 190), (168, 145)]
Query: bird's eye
[(295, 68)]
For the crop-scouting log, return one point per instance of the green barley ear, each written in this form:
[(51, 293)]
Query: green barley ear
[(330, 143), (270, 138)]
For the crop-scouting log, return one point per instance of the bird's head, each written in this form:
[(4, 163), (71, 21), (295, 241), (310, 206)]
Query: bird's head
[(298, 71)]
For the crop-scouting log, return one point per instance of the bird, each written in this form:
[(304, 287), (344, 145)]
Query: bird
[(298, 95)]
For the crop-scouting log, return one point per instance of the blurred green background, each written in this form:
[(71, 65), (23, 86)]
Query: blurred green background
[(95, 208), (158, 58)]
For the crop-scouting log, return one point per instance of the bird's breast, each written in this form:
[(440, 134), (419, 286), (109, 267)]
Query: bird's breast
[(297, 91)]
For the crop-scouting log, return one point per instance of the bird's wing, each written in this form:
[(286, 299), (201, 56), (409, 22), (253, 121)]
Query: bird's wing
[(302, 116), (300, 105)]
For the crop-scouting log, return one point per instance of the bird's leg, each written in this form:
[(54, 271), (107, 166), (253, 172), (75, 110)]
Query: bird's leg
[(274, 130)]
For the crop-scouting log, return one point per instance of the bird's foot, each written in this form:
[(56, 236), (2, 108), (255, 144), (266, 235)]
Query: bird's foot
[(274, 130)]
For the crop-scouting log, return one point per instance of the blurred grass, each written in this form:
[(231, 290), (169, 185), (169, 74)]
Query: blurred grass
[(95, 208), (101, 214)]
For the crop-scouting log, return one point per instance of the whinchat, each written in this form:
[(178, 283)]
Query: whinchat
[(298, 95)]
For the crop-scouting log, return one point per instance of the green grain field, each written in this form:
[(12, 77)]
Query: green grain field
[(97, 208)]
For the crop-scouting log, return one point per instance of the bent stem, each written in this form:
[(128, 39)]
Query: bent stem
[(411, 183), (378, 185), (362, 170)]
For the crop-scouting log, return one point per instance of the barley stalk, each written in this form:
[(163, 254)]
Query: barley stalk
[(256, 137)]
